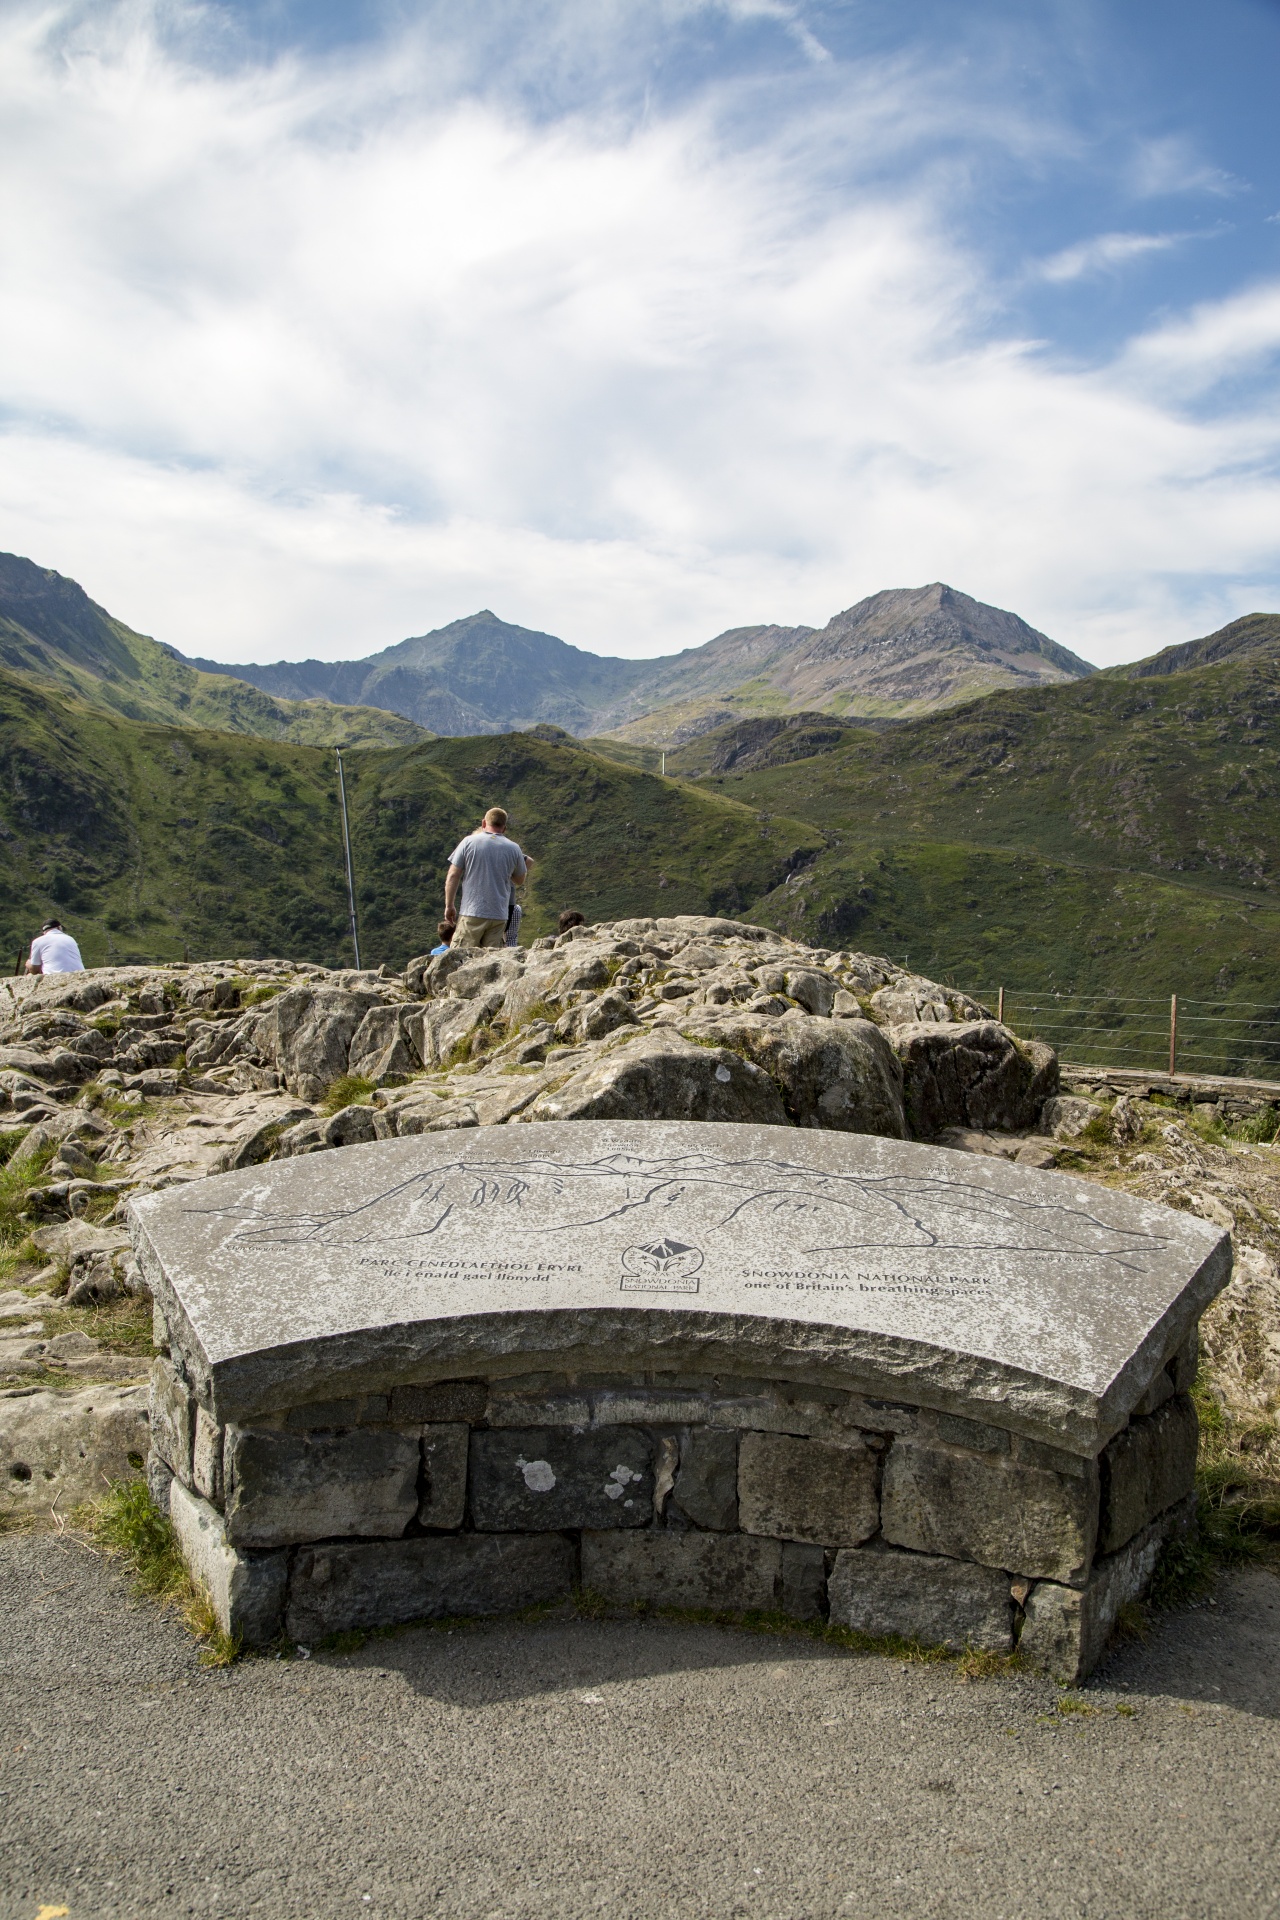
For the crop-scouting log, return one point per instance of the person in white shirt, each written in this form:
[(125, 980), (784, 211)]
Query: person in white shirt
[(53, 951)]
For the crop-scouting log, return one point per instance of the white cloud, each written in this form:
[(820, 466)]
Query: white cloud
[(297, 358)]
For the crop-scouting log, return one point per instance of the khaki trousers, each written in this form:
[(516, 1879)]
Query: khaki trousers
[(474, 931)]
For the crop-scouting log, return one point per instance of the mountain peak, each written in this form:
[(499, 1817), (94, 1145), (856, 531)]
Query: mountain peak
[(898, 652)]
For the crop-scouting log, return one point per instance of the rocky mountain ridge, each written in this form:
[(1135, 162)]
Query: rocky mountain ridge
[(901, 651), (476, 675), (1253, 634)]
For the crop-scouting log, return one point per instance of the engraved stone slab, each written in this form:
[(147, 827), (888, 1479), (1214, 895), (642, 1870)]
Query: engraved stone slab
[(1025, 1300)]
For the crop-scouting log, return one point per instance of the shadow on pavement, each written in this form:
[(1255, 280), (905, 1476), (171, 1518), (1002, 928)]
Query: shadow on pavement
[(1224, 1650), (493, 1662)]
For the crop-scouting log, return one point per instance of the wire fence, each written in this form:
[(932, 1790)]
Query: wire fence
[(1156, 1033)]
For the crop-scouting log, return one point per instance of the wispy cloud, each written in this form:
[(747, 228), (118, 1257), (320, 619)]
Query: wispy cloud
[(1171, 165), (301, 354), (1105, 252), (1217, 341)]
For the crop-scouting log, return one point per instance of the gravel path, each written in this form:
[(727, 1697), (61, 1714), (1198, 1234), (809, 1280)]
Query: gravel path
[(574, 1769)]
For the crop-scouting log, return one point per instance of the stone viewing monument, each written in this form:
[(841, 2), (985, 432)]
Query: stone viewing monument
[(931, 1394)]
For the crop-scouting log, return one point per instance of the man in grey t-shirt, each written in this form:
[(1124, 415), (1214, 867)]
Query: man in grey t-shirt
[(483, 868)]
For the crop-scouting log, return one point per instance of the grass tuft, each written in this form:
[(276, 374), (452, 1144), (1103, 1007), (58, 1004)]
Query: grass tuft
[(349, 1090), (123, 1325), (1073, 1703), (16, 1184), (127, 1523), (1133, 1622), (255, 996), (976, 1664), (11, 1138), (541, 1010)]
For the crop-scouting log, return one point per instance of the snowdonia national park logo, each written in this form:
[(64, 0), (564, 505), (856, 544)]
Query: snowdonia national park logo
[(661, 1266)]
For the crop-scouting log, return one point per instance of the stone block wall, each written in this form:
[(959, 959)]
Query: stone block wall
[(478, 1497)]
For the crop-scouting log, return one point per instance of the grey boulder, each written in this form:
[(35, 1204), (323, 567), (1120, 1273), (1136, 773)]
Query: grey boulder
[(382, 1046), (311, 1029), (911, 999), (660, 1076), (972, 1075), (837, 1074), (438, 1029), (1066, 1116), (58, 1450), (346, 1128)]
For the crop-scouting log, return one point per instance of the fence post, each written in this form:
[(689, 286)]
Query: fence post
[(1173, 1035), (1000, 1007)]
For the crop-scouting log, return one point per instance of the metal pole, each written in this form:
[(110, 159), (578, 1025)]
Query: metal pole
[(346, 848), (1173, 1035), (664, 763), (1000, 1007)]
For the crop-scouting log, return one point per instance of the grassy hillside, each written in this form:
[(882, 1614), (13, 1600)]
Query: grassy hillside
[(1177, 775), (53, 634), (1115, 836), (1117, 833), (149, 839)]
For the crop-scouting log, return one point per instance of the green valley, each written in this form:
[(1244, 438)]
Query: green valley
[(148, 840), (1115, 835)]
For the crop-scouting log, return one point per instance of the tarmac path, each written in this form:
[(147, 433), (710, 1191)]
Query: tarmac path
[(568, 1769)]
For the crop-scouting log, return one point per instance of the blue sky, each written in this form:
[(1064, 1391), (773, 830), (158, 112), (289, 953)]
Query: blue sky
[(324, 324)]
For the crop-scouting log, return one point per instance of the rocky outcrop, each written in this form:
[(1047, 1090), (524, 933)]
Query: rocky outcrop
[(687, 1017), (124, 1080), (663, 1075), (58, 1450)]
